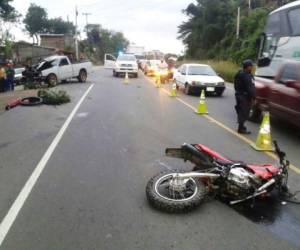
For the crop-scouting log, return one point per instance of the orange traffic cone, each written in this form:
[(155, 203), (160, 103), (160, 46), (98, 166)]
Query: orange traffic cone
[(264, 138), (201, 109)]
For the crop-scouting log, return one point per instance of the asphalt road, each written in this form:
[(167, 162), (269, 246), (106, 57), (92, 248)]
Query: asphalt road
[(91, 193)]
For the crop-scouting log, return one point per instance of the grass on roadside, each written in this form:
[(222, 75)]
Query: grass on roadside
[(226, 69)]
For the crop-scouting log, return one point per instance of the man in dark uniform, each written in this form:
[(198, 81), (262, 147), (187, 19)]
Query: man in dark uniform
[(244, 94)]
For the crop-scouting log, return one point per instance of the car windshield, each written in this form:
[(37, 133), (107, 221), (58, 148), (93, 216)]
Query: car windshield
[(126, 58), (201, 70)]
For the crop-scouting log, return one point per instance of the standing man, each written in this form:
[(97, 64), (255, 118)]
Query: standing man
[(10, 76), (2, 78), (244, 94)]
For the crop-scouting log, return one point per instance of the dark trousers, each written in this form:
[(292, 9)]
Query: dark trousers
[(9, 84), (2, 84), (243, 107)]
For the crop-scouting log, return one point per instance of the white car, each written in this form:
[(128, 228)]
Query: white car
[(198, 77), (125, 63), (55, 69)]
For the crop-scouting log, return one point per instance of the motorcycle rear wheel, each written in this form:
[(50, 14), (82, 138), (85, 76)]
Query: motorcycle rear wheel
[(160, 195)]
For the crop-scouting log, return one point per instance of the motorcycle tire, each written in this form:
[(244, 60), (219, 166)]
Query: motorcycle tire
[(172, 205), (31, 101)]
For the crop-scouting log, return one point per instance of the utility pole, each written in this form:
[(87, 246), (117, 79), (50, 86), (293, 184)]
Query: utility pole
[(76, 35), (249, 6), (238, 23), (86, 19)]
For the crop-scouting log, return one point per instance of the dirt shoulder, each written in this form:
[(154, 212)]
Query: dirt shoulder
[(7, 97)]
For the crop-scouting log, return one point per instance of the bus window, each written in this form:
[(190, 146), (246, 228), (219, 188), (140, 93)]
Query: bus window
[(273, 24), (294, 18)]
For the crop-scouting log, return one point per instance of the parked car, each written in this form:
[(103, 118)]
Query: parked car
[(18, 75), (55, 69), (151, 67), (198, 77), (280, 96)]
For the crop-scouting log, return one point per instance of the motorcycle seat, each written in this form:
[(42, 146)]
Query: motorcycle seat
[(193, 151)]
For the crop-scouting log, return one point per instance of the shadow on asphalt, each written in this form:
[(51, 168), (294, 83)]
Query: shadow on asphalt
[(276, 216)]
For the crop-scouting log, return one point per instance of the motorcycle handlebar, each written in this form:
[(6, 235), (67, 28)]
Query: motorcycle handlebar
[(280, 154)]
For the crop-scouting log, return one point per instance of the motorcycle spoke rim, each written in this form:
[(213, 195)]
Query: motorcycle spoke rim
[(162, 188)]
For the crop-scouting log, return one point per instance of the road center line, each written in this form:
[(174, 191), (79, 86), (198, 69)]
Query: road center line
[(14, 210), (220, 124)]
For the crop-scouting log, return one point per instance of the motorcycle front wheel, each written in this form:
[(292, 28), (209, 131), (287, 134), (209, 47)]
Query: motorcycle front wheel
[(162, 194)]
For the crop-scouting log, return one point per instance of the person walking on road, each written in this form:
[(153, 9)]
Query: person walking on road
[(10, 76), (244, 94), (2, 78)]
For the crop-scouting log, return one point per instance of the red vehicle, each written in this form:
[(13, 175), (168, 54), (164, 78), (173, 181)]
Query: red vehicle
[(179, 191), (280, 96)]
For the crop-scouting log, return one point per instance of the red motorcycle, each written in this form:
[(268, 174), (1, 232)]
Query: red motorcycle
[(236, 182)]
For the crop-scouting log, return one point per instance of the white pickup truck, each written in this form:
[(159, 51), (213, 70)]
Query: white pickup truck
[(55, 69)]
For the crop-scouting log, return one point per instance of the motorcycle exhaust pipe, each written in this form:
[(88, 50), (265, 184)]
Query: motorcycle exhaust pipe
[(247, 198), (195, 175), (266, 185), (258, 192)]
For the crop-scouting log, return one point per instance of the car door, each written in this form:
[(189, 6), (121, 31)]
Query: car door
[(182, 75), (65, 69), (109, 61), (284, 101)]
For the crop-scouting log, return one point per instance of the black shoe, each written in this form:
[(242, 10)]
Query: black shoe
[(244, 131)]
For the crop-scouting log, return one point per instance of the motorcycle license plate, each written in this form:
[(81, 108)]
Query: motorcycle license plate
[(210, 89)]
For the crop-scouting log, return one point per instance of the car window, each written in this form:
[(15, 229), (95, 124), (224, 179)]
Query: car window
[(126, 58), (183, 69), (63, 62), (201, 70), (289, 73), (110, 58)]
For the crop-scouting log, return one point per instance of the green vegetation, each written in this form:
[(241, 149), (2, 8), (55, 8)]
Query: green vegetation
[(100, 41), (7, 11), (210, 32), (37, 22), (52, 97)]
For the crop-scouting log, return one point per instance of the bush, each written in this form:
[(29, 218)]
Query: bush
[(54, 97), (34, 85)]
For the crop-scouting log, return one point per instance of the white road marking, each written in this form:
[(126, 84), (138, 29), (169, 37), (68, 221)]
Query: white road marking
[(14, 210)]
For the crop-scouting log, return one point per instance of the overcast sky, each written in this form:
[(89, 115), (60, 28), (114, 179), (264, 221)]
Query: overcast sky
[(149, 23)]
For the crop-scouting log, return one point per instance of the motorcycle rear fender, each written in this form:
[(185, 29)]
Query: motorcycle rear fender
[(188, 152)]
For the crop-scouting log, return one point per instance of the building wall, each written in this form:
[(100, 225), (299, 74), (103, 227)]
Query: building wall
[(24, 53), (57, 42)]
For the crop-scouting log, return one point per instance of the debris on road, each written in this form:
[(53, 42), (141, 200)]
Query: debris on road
[(27, 101), (51, 97)]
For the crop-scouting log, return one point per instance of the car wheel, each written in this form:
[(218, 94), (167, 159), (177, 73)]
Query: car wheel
[(52, 80), (219, 93), (82, 76), (187, 89)]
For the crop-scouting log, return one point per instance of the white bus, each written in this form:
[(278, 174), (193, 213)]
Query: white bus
[(280, 41)]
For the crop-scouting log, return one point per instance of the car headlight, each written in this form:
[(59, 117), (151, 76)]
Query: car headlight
[(221, 83)]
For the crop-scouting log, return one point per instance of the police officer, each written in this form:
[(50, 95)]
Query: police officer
[(244, 94)]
